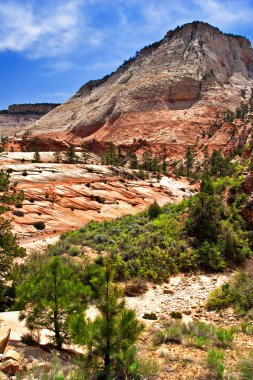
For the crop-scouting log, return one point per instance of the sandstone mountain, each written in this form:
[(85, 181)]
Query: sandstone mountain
[(167, 94), (19, 116)]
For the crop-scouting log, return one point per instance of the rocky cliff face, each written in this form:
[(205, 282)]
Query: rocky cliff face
[(167, 94), (19, 116)]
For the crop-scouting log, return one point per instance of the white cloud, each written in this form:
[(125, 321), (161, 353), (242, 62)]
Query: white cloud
[(226, 13), (49, 31)]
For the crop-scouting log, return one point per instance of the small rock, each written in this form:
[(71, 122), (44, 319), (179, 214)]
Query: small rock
[(11, 354), (168, 291), (168, 369), (3, 376), (9, 367)]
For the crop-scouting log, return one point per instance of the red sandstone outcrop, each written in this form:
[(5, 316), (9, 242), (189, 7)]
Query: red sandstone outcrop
[(167, 94), (65, 196)]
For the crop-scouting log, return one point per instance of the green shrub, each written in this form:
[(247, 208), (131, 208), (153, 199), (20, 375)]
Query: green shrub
[(215, 362), (225, 337), (220, 298), (172, 333), (18, 213), (74, 250), (151, 316), (176, 315), (247, 328), (154, 210), (246, 367), (39, 225)]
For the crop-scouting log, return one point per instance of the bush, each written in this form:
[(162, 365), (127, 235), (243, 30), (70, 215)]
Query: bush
[(215, 362), (219, 298), (30, 339), (137, 288), (247, 328), (246, 367), (154, 210), (74, 250), (24, 173), (39, 225), (18, 213), (151, 316), (172, 333), (176, 315), (225, 337)]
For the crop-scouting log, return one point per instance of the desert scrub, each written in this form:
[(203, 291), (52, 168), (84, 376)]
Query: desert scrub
[(172, 332), (150, 316), (246, 367), (195, 334), (237, 293), (215, 363), (39, 225), (220, 298)]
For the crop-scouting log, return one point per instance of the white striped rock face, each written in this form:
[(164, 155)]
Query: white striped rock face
[(167, 94)]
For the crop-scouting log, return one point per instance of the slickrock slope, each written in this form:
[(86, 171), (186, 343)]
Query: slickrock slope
[(168, 93), (65, 196)]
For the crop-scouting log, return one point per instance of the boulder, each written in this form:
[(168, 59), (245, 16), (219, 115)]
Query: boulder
[(10, 367), (12, 354), (4, 341)]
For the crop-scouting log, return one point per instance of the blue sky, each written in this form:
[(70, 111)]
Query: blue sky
[(49, 48)]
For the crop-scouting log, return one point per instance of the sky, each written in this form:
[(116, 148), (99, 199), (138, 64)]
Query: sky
[(50, 48)]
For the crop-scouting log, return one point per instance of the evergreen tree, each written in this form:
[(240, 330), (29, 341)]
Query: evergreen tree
[(164, 164), (147, 160), (111, 155), (133, 161), (36, 156), (121, 157), (205, 215), (114, 331), (71, 156), (57, 156), (4, 143), (84, 152), (189, 160), (154, 210), (50, 294), (9, 249)]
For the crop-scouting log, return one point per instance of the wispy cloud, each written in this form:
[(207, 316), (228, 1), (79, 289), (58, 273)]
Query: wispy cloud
[(51, 31), (65, 29)]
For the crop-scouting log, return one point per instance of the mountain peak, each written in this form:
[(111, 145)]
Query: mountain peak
[(169, 93)]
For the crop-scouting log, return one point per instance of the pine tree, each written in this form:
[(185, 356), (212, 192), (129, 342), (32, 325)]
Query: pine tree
[(147, 160), (189, 160), (57, 156), (164, 164), (154, 210), (114, 331), (71, 156), (9, 249), (111, 155), (36, 156), (84, 151), (50, 294), (133, 161)]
